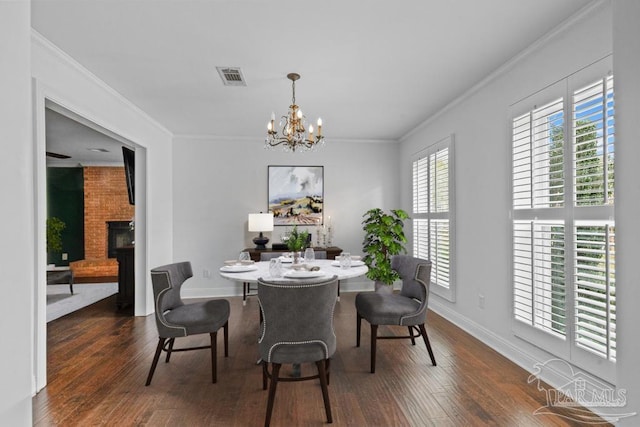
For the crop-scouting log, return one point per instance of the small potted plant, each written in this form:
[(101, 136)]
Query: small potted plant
[(297, 242), (384, 237)]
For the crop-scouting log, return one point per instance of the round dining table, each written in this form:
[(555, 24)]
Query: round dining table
[(248, 274)]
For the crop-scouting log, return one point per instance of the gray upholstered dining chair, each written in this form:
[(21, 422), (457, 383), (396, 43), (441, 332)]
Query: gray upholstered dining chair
[(297, 327), (266, 256), (176, 319), (248, 291), (408, 308)]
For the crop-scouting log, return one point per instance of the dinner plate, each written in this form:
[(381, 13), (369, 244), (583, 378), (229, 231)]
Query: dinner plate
[(238, 268), (303, 274), (354, 263)]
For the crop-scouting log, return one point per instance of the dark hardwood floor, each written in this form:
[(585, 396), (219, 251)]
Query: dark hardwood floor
[(98, 362)]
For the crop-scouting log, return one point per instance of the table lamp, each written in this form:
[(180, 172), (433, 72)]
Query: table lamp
[(261, 222)]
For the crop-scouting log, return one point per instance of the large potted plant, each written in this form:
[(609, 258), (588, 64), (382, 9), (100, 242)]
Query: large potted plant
[(384, 237), (297, 242)]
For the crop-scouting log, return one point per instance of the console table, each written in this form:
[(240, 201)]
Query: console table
[(332, 252)]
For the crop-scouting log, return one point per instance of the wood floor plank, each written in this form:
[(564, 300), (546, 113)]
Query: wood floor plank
[(98, 362)]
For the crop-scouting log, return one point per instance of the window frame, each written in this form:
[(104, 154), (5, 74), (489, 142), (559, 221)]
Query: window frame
[(572, 215), (446, 292)]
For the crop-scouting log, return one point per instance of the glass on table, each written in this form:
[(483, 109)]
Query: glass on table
[(275, 267), (309, 255), (345, 260), (244, 256)]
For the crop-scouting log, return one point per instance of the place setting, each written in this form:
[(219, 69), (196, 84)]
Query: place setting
[(304, 270), (345, 261), (243, 264)]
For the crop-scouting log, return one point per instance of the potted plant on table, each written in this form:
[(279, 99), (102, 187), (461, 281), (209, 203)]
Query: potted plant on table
[(384, 237), (297, 242)]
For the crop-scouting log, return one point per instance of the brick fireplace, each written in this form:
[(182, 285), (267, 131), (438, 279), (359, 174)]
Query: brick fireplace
[(105, 200)]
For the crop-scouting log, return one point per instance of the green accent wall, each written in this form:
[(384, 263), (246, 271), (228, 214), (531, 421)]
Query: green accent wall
[(65, 200)]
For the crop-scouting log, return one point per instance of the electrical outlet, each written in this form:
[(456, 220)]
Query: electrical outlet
[(65, 256), (481, 301), (206, 274)]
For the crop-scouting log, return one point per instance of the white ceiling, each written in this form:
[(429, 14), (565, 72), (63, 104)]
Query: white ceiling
[(373, 70), (71, 138)]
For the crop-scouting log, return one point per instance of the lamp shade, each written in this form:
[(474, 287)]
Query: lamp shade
[(261, 222)]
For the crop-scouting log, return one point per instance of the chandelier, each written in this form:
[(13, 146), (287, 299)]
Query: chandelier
[(293, 134)]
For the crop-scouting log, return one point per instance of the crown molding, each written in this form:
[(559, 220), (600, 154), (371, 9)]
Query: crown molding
[(39, 39)]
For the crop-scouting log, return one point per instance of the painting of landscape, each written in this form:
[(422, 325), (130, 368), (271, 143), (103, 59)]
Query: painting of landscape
[(296, 194)]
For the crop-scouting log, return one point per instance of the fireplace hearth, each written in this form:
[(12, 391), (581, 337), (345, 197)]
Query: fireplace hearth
[(119, 234)]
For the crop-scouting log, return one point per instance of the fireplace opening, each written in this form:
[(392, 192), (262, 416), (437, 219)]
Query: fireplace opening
[(119, 234)]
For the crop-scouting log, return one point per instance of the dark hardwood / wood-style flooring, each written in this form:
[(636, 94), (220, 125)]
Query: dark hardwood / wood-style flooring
[(98, 361)]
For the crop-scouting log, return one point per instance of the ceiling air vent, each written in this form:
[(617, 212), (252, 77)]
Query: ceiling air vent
[(231, 76)]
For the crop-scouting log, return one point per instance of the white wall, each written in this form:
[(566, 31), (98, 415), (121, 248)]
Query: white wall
[(218, 182), (58, 78), (626, 34), (17, 248), (481, 124)]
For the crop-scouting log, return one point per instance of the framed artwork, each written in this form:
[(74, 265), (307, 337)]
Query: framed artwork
[(296, 194)]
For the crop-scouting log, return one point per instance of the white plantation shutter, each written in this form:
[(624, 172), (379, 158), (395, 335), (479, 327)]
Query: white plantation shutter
[(593, 137), (440, 251), (563, 228), (539, 286), (538, 147), (593, 162), (595, 289), (432, 214)]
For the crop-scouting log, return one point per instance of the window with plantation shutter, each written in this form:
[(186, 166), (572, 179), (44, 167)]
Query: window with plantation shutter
[(594, 230), (432, 214), (563, 257)]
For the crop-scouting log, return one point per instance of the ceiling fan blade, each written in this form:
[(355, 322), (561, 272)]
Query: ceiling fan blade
[(58, 156)]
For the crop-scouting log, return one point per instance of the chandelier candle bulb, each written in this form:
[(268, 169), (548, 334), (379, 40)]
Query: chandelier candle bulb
[(319, 127)]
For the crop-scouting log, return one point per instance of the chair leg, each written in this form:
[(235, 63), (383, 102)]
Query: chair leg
[(413, 340), (358, 327), (214, 357), (245, 285), (226, 339), (423, 332), (275, 371), (169, 350), (325, 390), (155, 360), (374, 337), (264, 375), (338, 297), (328, 369)]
